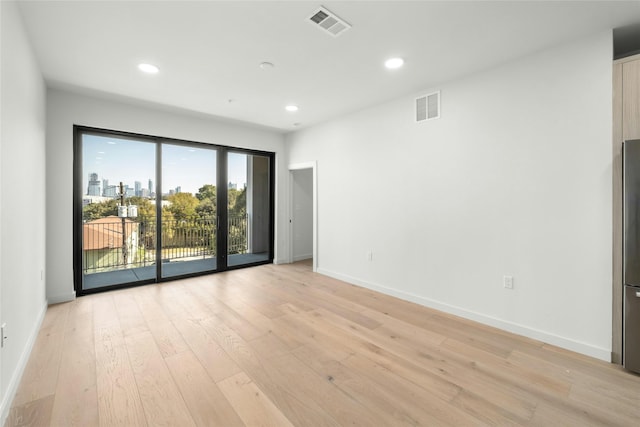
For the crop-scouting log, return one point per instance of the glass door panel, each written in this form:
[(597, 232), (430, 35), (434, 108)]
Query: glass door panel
[(189, 213), (249, 209), (118, 240)]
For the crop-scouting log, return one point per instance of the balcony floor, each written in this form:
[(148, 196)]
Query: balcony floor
[(169, 269)]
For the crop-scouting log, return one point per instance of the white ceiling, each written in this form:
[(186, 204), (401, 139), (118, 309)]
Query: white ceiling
[(209, 52)]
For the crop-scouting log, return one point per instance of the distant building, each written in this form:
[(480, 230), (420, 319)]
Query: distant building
[(93, 188), (105, 185), (111, 191), (145, 193), (172, 192), (233, 186), (102, 243), (87, 200), (178, 189), (150, 187), (138, 188)]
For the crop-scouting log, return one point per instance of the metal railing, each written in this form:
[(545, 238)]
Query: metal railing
[(104, 248)]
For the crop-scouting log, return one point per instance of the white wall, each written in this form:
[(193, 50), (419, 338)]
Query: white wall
[(302, 214), (22, 198), (64, 109), (514, 179)]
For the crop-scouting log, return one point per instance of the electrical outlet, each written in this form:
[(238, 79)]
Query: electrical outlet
[(3, 335), (507, 281)]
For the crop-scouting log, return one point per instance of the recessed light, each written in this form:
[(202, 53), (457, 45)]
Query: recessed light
[(148, 68), (291, 108), (266, 65), (394, 63)]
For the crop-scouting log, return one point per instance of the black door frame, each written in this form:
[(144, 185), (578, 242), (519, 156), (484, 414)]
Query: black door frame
[(221, 200)]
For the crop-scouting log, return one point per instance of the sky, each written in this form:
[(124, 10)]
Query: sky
[(128, 160)]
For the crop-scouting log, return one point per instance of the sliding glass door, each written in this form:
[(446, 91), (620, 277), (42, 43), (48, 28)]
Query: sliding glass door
[(117, 242), (149, 209), (189, 214), (249, 196)]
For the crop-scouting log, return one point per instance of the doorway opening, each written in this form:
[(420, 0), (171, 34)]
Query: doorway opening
[(303, 233)]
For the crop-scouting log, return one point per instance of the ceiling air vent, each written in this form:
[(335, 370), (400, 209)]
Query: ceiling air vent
[(428, 107), (329, 22)]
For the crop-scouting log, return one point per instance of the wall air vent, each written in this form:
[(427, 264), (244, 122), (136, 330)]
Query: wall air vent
[(428, 107), (329, 22)]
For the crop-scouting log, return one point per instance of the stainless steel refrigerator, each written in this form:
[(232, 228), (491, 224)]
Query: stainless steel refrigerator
[(631, 251)]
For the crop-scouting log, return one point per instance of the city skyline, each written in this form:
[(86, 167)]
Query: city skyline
[(129, 161), (104, 188)]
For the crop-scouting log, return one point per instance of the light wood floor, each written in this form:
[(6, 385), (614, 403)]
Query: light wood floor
[(282, 346)]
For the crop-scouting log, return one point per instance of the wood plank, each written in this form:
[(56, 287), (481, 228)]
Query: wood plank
[(118, 398), (251, 403), (35, 413), (361, 390), (131, 319), (162, 402), (456, 368), (76, 396), (292, 374), (211, 356), (300, 409), (41, 373), (320, 335), (205, 401)]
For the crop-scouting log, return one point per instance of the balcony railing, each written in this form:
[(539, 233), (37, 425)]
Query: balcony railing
[(112, 243)]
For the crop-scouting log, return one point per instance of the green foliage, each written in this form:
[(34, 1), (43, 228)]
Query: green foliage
[(183, 206), (237, 202), (146, 209), (207, 192), (207, 196), (95, 211)]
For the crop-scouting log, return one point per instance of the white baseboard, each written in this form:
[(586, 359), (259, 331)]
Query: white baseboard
[(302, 257), (57, 299), (547, 337), (12, 387)]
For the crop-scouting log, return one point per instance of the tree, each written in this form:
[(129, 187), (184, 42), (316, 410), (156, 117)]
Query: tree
[(207, 192), (206, 209), (183, 206), (95, 211), (237, 203), (146, 209)]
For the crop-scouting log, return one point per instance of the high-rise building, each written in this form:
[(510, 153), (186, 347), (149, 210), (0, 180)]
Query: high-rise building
[(93, 188), (105, 185), (138, 188), (233, 186), (150, 186), (110, 191), (178, 189)]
